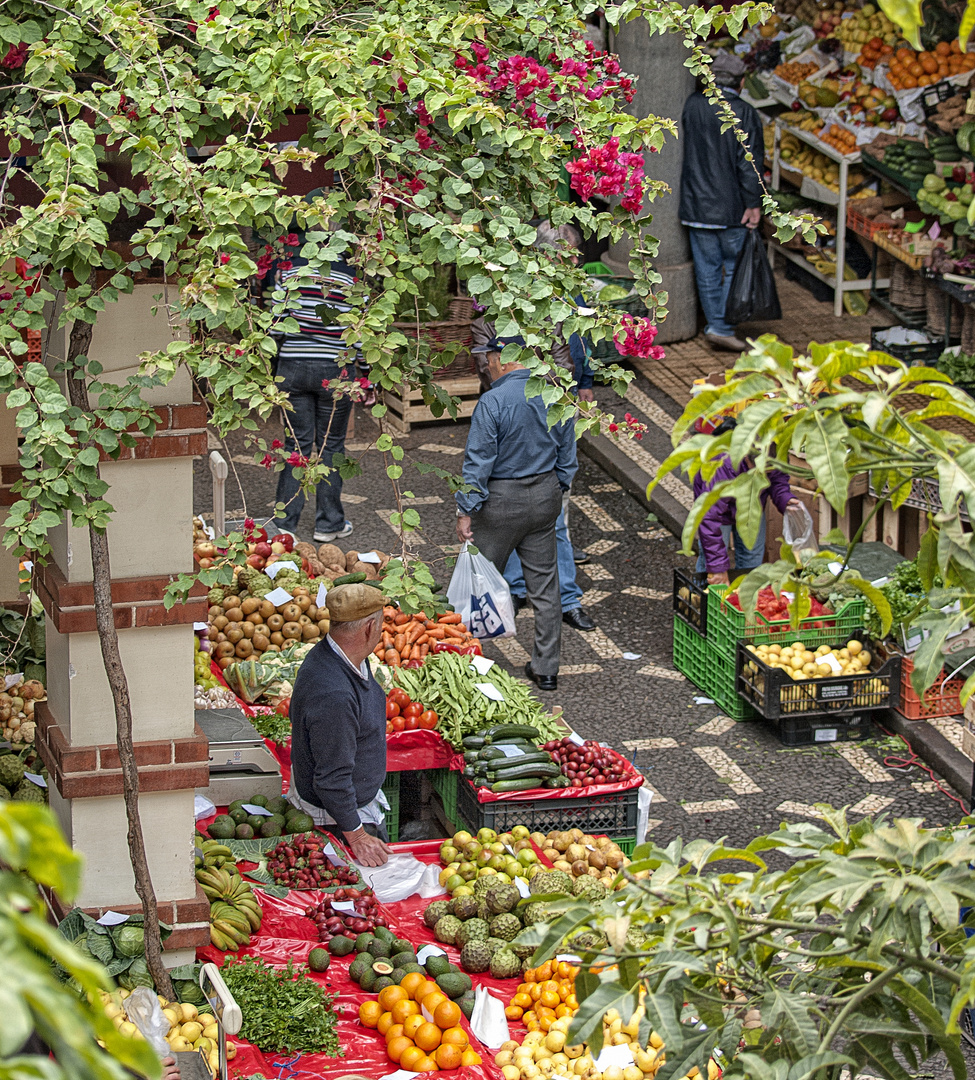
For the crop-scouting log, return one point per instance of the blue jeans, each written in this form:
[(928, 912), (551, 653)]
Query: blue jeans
[(715, 252), (570, 593), (745, 558), (318, 420)]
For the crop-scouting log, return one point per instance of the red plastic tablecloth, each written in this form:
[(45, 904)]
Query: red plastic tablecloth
[(416, 751)]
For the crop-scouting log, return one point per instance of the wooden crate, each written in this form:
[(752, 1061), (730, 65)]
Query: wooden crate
[(407, 407)]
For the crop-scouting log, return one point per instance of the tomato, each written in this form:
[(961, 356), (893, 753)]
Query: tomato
[(412, 723), (389, 728), (392, 709), (413, 709), (429, 720), (399, 723), (284, 707)]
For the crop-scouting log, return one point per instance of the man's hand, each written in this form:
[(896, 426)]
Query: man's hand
[(587, 394), (464, 531), (719, 579), (793, 504), (752, 217), (368, 850)]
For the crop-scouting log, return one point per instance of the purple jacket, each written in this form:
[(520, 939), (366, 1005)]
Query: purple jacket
[(723, 512)]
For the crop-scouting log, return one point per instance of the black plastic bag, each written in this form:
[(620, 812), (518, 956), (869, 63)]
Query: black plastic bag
[(753, 296)]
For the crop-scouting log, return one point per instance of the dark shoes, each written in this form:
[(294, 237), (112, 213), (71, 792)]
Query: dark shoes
[(578, 618), (579, 557), (727, 344), (543, 682), (518, 602)]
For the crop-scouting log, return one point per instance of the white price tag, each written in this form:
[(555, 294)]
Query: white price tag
[(831, 660), (333, 857), (201, 626), (512, 751), (279, 596), (489, 690), (347, 906), (400, 1074), (620, 1056), (577, 739), (369, 557), (112, 918), (632, 655), (34, 778), (569, 958), (253, 808), (698, 700), (522, 886), (427, 951), (11, 680), (320, 597), (482, 664), (273, 569)]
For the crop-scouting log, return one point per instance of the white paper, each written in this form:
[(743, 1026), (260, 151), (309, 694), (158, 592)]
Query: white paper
[(201, 626), (34, 778), (482, 664), (369, 557), (333, 857), (512, 751), (831, 660), (698, 700), (522, 886), (569, 958), (400, 1074), (425, 1013), (489, 690), (253, 808), (620, 1056), (347, 906), (488, 1022), (427, 951), (322, 593), (834, 568), (112, 918), (272, 569), (402, 876), (577, 739), (632, 655), (202, 807), (28, 565), (278, 597), (11, 680)]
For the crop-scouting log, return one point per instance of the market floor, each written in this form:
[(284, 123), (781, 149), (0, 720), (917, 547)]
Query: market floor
[(709, 776)]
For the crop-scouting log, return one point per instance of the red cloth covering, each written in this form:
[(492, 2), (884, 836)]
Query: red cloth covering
[(633, 780), (417, 751)]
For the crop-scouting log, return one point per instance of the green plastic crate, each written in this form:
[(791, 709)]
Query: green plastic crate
[(626, 844), (444, 783), (727, 626), (391, 791), (696, 657)]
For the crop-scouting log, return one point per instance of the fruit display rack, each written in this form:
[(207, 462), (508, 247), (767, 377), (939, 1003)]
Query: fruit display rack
[(835, 281)]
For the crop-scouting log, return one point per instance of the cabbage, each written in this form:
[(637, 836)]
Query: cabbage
[(609, 293), (137, 974), (129, 941)]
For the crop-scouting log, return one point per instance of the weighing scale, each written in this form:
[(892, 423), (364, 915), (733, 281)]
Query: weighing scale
[(240, 763), (226, 1012)]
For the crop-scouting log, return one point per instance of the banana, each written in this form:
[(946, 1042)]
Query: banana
[(253, 916), (237, 933), (224, 942), (209, 877), (214, 847), (232, 916)]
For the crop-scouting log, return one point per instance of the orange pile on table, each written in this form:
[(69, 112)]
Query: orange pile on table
[(909, 69)]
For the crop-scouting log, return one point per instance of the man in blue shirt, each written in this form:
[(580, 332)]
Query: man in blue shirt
[(520, 468)]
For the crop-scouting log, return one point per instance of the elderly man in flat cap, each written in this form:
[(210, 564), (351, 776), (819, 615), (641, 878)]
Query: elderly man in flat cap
[(338, 726), (720, 193)]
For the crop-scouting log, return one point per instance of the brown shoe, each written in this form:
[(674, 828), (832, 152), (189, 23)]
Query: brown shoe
[(729, 344)]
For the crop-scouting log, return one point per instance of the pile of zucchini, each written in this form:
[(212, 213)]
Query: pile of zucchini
[(487, 764)]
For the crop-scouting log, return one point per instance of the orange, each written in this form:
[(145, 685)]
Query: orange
[(369, 1013), (385, 1023), (413, 1025), (389, 995), (536, 991), (563, 1010), (427, 1037), (469, 1058), (549, 1000), (523, 1001), (427, 988), (396, 1029), (513, 1012), (457, 1036), (943, 48), (544, 972), (403, 1009), (396, 1048), (427, 1064), (448, 1056), (411, 1057), (431, 1002), (530, 976), (447, 1015), (412, 981)]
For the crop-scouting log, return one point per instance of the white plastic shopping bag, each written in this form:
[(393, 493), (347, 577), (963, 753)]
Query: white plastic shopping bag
[(481, 595), (799, 532)]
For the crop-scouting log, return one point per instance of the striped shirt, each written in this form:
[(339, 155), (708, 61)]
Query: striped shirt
[(316, 341)]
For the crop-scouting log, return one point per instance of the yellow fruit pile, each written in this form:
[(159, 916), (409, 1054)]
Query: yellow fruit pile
[(803, 663), (546, 995), (863, 26)]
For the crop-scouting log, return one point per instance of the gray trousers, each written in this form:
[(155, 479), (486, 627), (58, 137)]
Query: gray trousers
[(520, 515)]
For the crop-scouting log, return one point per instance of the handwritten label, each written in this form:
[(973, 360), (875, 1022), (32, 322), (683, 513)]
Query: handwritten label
[(112, 918), (482, 664), (273, 569), (35, 779), (253, 808), (489, 690), (512, 751), (279, 596), (11, 680), (369, 557), (320, 598)]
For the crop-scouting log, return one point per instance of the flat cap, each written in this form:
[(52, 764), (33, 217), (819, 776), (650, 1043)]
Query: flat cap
[(728, 64), (346, 603)]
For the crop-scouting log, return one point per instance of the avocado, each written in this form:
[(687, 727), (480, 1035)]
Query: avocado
[(398, 975), (385, 934), (409, 968), (455, 984), (237, 804), (379, 949), (239, 815), (401, 958), (382, 967), (363, 941), (368, 980), (278, 805), (270, 827), (257, 800), (318, 960), (341, 945), (223, 829), (244, 832), (300, 823), (381, 983), (438, 964), (358, 966), (399, 945), (466, 1003)]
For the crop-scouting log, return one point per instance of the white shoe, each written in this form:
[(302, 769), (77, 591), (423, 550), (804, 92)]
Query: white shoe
[(326, 538)]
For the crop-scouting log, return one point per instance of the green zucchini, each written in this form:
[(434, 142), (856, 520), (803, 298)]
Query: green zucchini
[(557, 782), (490, 752), (505, 732), (515, 785), (500, 765), (469, 773), (474, 742), (915, 150), (470, 756), (349, 579), (538, 770)]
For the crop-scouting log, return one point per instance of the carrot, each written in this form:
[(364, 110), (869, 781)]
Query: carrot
[(437, 632), (405, 652), (401, 618), (452, 631), (390, 613), (450, 617), (431, 623), (421, 615), (387, 639), (424, 649), (379, 651), (423, 639), (415, 631), (399, 643), (392, 658)]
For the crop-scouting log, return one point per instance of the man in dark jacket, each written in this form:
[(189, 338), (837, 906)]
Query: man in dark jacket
[(720, 194)]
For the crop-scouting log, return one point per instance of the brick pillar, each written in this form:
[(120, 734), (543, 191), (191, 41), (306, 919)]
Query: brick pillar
[(150, 541)]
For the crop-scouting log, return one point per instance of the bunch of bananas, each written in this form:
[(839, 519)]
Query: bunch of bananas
[(234, 911)]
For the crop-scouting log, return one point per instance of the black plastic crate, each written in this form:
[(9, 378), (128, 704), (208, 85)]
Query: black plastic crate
[(775, 695), (691, 598), (613, 814), (922, 353), (839, 728)]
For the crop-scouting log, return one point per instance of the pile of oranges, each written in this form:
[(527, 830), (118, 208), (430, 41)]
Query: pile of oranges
[(909, 69), (839, 138), (547, 993), (421, 1026)]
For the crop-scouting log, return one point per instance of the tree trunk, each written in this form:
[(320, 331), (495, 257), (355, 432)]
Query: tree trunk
[(108, 639)]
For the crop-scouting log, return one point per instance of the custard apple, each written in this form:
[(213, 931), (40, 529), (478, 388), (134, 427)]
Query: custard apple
[(589, 888), (30, 793), (4, 794), (523, 952), (12, 771), (464, 907), (483, 911), (472, 930), (482, 884), (447, 928), (505, 965), (436, 911), (505, 926), (495, 943), (475, 957), (502, 898)]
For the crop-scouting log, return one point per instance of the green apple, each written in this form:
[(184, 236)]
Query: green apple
[(484, 857), (462, 838), (454, 882), (498, 862), (497, 848), (448, 853), (520, 832), (485, 871), (527, 857), (505, 878)]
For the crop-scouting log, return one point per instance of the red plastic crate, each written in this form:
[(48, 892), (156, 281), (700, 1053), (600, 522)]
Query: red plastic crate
[(940, 699)]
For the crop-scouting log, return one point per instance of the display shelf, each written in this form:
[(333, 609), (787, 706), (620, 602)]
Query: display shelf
[(880, 295)]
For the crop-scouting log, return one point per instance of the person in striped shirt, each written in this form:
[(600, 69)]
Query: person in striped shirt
[(309, 363)]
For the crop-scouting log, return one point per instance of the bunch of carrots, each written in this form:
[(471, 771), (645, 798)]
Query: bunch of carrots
[(409, 638)]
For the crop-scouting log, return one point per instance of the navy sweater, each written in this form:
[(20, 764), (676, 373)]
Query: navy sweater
[(338, 736)]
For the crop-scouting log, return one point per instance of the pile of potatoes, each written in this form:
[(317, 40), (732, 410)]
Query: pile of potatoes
[(578, 854), (240, 628), (17, 710), (329, 560)]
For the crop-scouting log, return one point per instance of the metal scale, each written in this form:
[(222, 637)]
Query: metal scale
[(240, 763)]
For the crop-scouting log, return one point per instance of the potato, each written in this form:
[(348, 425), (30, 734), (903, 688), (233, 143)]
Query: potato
[(351, 558), (369, 569), (331, 555), (306, 550)]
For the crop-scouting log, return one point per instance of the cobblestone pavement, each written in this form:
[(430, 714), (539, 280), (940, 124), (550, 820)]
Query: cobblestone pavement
[(709, 775)]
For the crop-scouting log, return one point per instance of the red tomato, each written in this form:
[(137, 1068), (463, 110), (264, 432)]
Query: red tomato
[(412, 723), (399, 723), (392, 709), (413, 709), (389, 728), (429, 720), (284, 707), (400, 696)]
